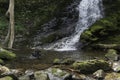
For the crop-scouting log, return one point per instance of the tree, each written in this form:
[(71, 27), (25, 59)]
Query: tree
[(10, 15)]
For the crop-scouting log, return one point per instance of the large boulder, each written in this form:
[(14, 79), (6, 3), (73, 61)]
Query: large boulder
[(91, 66), (5, 54)]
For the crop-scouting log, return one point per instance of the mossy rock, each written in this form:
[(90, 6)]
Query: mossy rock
[(6, 78), (57, 72), (91, 66), (112, 54), (5, 54), (57, 61)]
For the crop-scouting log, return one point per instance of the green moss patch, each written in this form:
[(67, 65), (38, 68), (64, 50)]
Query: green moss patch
[(4, 54)]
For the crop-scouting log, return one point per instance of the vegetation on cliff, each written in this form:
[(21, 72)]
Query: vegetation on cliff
[(107, 29)]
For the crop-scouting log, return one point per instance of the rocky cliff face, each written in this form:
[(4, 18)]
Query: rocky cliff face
[(106, 30)]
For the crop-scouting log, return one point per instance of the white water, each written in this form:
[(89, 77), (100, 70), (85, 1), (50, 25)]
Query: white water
[(89, 12)]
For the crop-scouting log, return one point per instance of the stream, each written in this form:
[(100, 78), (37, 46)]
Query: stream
[(23, 60)]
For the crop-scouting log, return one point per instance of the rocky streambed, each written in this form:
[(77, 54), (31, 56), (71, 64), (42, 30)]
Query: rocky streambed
[(53, 65)]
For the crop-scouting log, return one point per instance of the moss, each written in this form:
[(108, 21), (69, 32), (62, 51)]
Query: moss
[(6, 78), (1, 61), (91, 66), (56, 61), (4, 54)]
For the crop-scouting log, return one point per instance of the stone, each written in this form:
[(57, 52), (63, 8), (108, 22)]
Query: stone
[(6, 78), (112, 76), (57, 72), (16, 72), (79, 77), (25, 77), (40, 75), (4, 70), (91, 66), (99, 74), (112, 54), (116, 66)]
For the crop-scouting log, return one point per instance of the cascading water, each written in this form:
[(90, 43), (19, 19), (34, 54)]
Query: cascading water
[(89, 12)]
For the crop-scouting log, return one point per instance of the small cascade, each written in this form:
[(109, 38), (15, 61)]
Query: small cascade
[(89, 12)]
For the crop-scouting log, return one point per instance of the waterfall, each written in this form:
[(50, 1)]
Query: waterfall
[(89, 12)]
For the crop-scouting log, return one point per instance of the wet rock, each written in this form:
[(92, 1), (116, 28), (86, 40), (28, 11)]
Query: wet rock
[(99, 74), (112, 54), (5, 54), (116, 66), (6, 78), (40, 75), (91, 66), (112, 76)]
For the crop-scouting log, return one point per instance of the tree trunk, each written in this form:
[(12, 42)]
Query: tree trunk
[(10, 36)]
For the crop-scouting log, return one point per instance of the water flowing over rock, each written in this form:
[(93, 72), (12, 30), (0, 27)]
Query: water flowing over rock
[(89, 12)]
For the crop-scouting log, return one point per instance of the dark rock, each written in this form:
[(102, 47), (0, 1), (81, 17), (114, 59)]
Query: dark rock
[(68, 77), (35, 55)]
